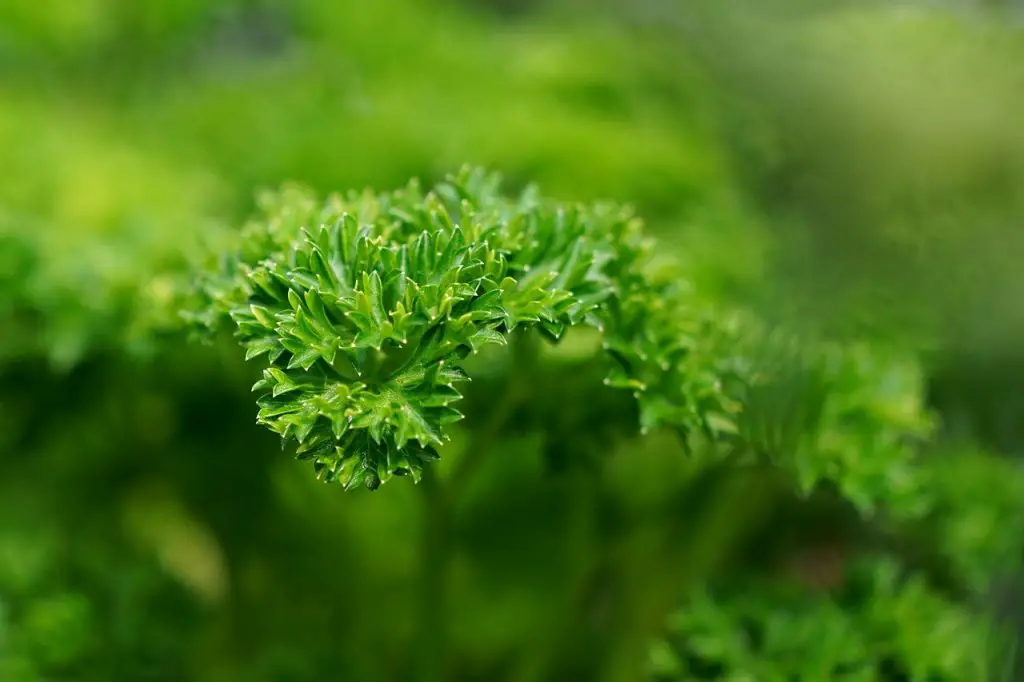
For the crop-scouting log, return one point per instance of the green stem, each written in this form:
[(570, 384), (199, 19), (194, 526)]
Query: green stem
[(689, 553), (434, 552), (438, 498), (572, 637), (523, 356)]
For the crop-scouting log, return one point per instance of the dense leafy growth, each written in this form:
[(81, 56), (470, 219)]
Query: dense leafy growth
[(364, 307), (871, 612), (711, 447), (879, 626)]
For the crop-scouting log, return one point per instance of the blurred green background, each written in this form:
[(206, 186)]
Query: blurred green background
[(849, 167)]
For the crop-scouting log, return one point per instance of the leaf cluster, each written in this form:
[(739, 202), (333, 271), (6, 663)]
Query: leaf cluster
[(364, 307), (881, 625)]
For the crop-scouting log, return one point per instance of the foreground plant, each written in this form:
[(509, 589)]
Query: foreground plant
[(365, 312)]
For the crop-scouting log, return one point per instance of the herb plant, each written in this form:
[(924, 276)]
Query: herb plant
[(367, 313)]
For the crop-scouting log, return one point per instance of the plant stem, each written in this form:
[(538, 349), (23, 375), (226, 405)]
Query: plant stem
[(438, 500), (434, 553), (523, 356), (689, 554)]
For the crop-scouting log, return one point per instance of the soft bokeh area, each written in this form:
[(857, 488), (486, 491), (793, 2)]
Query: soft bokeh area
[(851, 170)]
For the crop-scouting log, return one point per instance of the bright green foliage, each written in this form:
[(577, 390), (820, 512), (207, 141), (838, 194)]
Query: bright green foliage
[(63, 302), (849, 414), (888, 617), (364, 307), (150, 531), (90, 234), (364, 314), (880, 625)]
